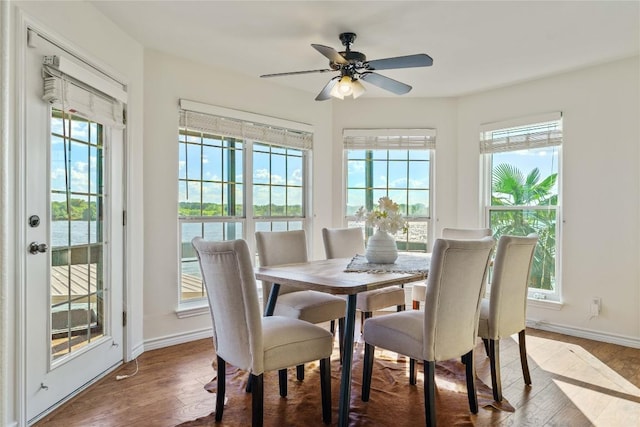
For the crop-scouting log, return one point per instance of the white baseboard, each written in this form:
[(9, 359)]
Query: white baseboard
[(175, 339), (137, 351), (585, 333)]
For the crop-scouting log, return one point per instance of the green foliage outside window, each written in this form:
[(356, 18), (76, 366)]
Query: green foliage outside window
[(511, 188), (79, 210)]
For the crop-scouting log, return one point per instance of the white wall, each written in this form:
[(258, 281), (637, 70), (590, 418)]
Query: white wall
[(79, 26), (600, 188), (167, 79)]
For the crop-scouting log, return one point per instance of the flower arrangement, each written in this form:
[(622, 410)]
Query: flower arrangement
[(385, 217)]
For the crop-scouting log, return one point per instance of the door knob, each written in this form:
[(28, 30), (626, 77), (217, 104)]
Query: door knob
[(36, 247)]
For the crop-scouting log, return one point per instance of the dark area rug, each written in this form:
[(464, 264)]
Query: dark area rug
[(393, 401)]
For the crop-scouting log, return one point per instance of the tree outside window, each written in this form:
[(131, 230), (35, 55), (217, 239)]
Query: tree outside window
[(523, 165)]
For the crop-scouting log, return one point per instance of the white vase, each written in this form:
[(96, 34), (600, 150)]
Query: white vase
[(381, 248)]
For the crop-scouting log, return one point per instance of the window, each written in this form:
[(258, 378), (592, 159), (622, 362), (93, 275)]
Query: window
[(235, 177), (278, 188), (522, 176), (210, 201), (394, 163)]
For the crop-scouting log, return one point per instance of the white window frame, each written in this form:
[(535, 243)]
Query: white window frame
[(488, 147), (392, 139), (251, 129)]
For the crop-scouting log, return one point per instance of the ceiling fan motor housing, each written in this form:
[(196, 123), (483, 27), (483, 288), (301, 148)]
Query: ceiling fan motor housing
[(347, 38)]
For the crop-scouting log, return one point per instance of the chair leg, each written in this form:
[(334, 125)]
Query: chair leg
[(367, 371), (300, 372), (494, 362), (341, 337), (430, 393), (471, 382), (221, 388), (257, 391), (416, 305), (413, 372), (325, 389), (485, 341), (523, 357), (282, 382)]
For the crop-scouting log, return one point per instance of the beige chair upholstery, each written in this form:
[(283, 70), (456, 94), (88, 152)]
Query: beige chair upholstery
[(346, 243), (288, 247), (504, 312), (448, 326), (465, 233), (245, 339), (419, 291)]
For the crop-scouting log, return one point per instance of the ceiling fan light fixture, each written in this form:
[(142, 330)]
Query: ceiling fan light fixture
[(336, 93), (357, 88), (347, 86)]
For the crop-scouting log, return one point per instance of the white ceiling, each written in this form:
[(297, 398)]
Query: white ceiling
[(475, 45)]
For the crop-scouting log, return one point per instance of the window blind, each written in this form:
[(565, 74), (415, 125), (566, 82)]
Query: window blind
[(389, 139), (537, 135), (73, 96), (226, 126)]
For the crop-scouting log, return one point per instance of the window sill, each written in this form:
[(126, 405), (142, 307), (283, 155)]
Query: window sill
[(191, 309), (544, 303)]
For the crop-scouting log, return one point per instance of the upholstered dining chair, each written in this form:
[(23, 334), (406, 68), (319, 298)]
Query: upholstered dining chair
[(288, 247), (346, 243), (448, 326), (419, 290), (249, 341), (504, 312)]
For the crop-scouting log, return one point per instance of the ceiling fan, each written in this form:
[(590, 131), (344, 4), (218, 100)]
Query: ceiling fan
[(353, 67)]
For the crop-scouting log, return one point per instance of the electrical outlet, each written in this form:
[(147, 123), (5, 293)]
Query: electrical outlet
[(596, 306)]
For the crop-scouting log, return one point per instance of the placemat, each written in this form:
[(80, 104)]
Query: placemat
[(405, 263)]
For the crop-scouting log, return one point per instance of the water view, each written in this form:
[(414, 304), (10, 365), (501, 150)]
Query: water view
[(79, 233)]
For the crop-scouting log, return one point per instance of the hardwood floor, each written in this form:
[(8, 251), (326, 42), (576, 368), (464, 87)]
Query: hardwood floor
[(576, 382)]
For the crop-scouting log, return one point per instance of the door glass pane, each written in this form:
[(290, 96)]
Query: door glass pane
[(77, 234)]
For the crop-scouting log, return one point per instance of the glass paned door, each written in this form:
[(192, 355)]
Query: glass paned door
[(73, 252), (77, 233)]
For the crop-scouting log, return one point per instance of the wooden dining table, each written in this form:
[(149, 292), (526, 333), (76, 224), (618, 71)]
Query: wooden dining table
[(330, 276)]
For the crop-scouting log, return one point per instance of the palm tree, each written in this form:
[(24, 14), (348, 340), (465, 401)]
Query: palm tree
[(510, 187)]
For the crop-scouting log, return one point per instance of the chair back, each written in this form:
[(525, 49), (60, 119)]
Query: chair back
[(278, 248), (233, 300), (455, 286), (465, 233), (510, 284), (343, 242)]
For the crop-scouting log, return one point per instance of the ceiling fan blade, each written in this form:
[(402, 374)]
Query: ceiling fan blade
[(325, 93), (409, 61), (331, 53), (291, 73), (386, 83)]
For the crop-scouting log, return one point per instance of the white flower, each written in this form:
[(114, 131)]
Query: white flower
[(385, 217)]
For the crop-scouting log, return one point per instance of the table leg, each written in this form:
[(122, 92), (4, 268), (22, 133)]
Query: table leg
[(271, 302), (345, 380)]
